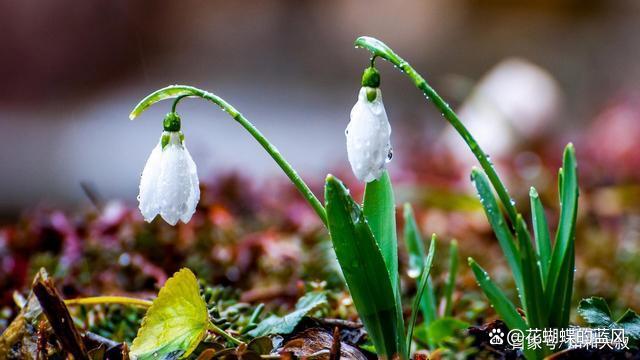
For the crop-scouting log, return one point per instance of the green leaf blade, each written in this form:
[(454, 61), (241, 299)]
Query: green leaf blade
[(559, 287), (503, 306), (415, 248), (175, 323), (533, 296), (541, 233), (451, 279), (380, 211), (424, 280), (500, 227), (286, 324), (364, 269)]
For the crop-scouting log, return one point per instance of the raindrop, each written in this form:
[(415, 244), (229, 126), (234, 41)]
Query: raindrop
[(413, 273), (389, 155), (346, 131)]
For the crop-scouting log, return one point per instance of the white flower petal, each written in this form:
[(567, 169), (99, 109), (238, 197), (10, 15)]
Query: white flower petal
[(169, 185), (194, 193), (148, 200), (175, 182), (368, 137)]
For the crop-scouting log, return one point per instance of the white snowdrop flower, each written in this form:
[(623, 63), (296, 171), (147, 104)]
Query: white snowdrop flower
[(369, 133), (169, 184)]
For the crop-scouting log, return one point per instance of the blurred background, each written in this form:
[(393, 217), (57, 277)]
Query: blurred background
[(72, 71)]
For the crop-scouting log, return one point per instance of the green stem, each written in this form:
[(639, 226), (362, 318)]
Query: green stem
[(213, 327), (378, 48), (104, 300), (176, 101), (179, 91)]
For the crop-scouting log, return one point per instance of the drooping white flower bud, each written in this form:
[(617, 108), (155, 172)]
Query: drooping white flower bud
[(169, 184), (368, 136)]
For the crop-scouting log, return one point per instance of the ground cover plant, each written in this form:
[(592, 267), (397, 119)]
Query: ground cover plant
[(187, 318)]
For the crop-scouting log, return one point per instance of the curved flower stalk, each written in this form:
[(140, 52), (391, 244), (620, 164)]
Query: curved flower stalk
[(380, 49), (543, 277), (181, 91), (169, 183), (368, 134)]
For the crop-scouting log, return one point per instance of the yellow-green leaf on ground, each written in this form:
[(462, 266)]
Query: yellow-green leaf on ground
[(175, 323)]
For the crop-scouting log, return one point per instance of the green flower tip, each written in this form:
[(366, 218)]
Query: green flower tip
[(165, 140), (330, 179), (533, 192), (371, 77), (570, 148), (332, 183), (171, 122)]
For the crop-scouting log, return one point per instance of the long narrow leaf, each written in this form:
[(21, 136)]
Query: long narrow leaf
[(560, 278), (533, 296), (559, 314), (567, 295), (364, 269), (451, 280), (501, 304), (415, 248), (541, 233), (380, 211), (424, 277), (497, 298), (500, 227)]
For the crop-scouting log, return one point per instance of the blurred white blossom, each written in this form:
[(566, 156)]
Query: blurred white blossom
[(514, 102)]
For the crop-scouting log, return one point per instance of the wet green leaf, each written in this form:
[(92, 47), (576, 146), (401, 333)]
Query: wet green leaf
[(380, 211), (559, 284), (499, 225), (497, 298), (595, 311), (364, 269), (541, 232), (630, 322)]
